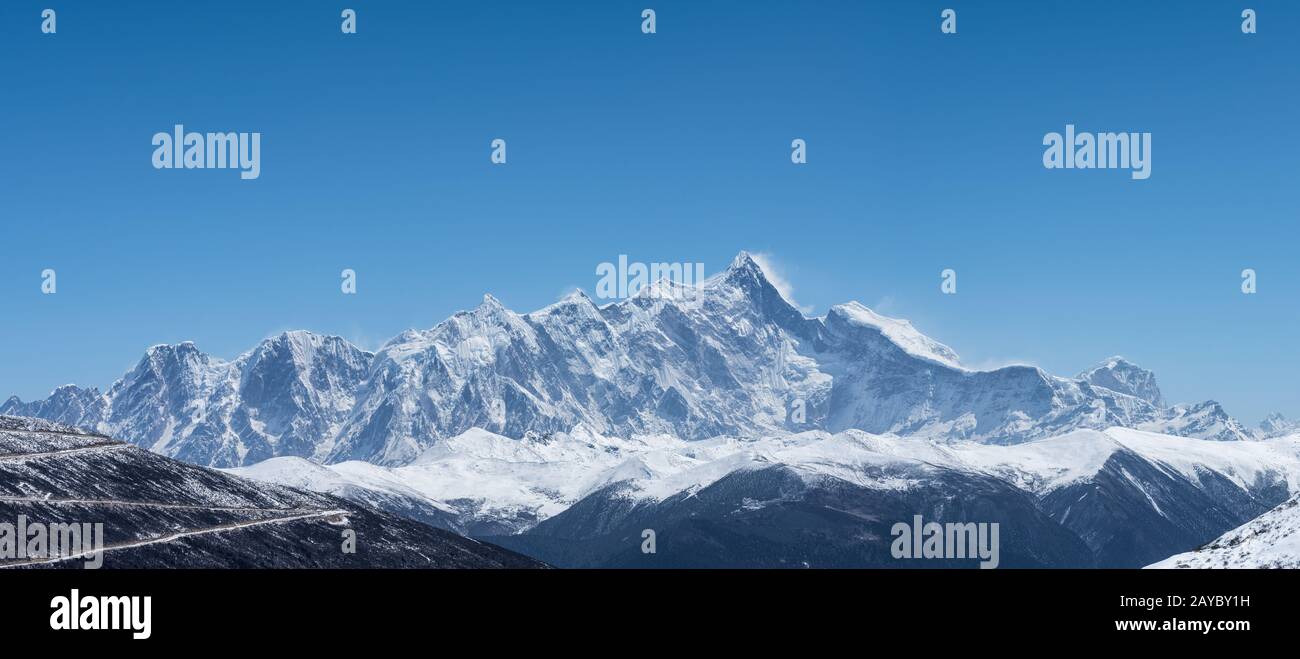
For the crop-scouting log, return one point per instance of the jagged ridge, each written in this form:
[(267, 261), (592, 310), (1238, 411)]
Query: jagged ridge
[(732, 358)]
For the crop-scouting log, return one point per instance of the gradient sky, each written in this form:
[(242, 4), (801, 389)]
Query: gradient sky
[(925, 153)]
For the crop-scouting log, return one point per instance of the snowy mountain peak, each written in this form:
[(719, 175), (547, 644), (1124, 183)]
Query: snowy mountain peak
[(67, 404), (165, 360), (1207, 420), (490, 312), (576, 299), (900, 332), (744, 287), (744, 261), (743, 270), (300, 345), (172, 357), (172, 348), (1276, 425), (1120, 375), (300, 354), (300, 338)]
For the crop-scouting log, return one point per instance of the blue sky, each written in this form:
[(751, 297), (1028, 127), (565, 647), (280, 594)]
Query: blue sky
[(925, 153)]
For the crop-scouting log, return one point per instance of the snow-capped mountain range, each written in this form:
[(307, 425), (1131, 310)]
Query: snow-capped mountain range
[(729, 358)]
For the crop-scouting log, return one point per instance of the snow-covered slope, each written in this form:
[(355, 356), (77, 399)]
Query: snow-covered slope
[(1044, 465), (159, 512), (1271, 540), (1132, 496), (491, 484), (355, 482), (732, 358), (901, 333)]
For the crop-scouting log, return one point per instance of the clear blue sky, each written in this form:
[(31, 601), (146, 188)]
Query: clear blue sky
[(924, 153)]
